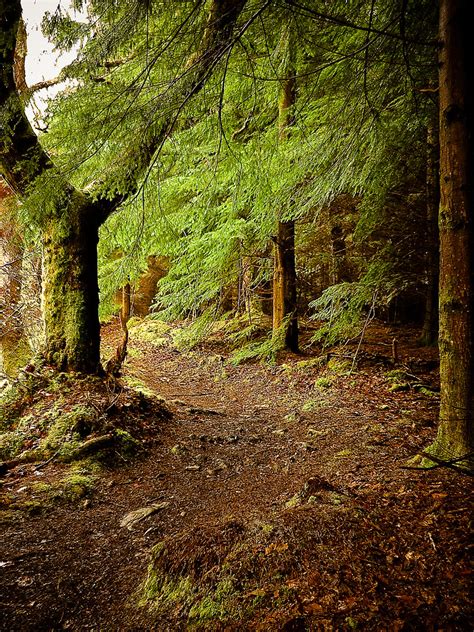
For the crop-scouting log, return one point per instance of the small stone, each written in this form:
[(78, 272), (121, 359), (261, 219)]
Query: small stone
[(192, 468), (279, 432), (86, 503)]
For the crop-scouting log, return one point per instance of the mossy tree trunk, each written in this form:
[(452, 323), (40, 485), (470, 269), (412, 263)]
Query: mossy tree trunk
[(71, 292), (284, 275), (69, 219), (456, 224)]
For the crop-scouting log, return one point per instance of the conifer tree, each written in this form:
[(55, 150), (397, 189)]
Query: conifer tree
[(70, 217)]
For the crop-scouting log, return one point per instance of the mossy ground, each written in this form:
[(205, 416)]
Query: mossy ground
[(60, 418)]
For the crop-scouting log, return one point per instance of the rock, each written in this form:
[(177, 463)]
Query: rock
[(192, 468), (131, 519)]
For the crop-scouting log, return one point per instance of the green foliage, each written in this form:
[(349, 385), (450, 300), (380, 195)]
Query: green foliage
[(341, 307), (266, 350), (211, 193)]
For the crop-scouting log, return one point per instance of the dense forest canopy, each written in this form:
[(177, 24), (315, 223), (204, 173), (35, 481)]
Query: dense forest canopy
[(250, 145)]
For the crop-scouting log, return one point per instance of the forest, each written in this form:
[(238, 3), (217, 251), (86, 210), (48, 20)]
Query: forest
[(236, 316)]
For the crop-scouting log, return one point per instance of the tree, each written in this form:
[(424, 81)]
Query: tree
[(70, 217), (284, 274), (456, 224)]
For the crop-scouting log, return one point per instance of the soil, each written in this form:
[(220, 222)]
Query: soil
[(244, 442)]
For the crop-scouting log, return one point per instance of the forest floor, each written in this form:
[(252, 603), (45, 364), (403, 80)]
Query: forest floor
[(280, 492)]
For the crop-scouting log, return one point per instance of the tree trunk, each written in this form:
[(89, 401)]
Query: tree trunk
[(429, 334), (71, 292), (456, 223), (284, 284), (284, 275)]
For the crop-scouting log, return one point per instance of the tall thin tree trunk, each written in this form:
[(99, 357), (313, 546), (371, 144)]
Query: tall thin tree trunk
[(284, 276), (456, 222), (429, 333)]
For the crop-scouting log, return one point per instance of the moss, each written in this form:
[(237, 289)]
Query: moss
[(343, 454), (128, 444), (312, 363), (147, 330), (64, 425), (214, 606), (312, 404), (397, 387), (323, 382), (339, 366), (428, 392), (160, 591), (13, 401), (7, 516), (10, 445), (138, 385), (16, 353), (76, 486), (294, 501)]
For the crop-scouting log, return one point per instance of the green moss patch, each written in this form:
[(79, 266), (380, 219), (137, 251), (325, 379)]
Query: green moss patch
[(65, 417), (148, 330)]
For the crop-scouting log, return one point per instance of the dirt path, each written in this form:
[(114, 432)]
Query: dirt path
[(242, 442)]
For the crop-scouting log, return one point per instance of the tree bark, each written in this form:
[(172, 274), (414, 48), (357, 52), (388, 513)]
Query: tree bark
[(429, 334), (284, 284), (456, 224), (71, 292), (284, 275)]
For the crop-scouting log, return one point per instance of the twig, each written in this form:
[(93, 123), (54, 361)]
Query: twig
[(370, 317)]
